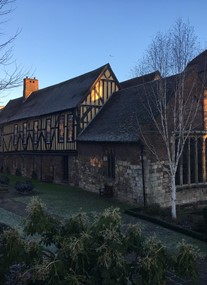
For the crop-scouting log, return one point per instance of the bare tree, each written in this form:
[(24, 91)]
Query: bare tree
[(171, 103), (169, 52), (11, 74)]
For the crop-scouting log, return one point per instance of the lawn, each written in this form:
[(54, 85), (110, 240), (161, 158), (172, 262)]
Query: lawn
[(64, 201)]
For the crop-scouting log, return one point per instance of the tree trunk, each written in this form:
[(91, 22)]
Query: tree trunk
[(173, 197)]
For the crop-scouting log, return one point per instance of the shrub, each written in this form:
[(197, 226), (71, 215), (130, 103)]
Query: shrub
[(4, 180), (186, 259), (89, 250), (24, 186)]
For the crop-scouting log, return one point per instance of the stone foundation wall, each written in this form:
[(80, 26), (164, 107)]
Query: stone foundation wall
[(157, 183), (43, 167), (88, 170), (127, 184), (91, 169), (158, 187)]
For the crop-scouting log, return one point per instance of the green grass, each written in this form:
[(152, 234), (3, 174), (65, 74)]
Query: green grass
[(64, 201)]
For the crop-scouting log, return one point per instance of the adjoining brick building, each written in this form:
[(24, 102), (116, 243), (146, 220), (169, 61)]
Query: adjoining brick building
[(85, 132)]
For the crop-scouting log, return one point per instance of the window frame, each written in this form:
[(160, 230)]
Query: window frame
[(15, 139), (1, 135), (70, 127), (48, 133), (61, 128), (24, 132), (35, 131)]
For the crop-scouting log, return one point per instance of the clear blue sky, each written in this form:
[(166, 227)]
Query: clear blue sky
[(61, 39)]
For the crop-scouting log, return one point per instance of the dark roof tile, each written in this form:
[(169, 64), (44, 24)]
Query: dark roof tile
[(63, 96), (118, 119), (141, 79)]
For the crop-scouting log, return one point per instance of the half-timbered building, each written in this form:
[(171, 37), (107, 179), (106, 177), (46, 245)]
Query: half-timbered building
[(85, 132), (38, 131)]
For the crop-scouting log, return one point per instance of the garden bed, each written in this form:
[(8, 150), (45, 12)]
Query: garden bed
[(190, 219)]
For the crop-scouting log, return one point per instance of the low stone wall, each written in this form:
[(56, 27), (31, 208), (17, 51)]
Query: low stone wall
[(158, 187), (195, 193)]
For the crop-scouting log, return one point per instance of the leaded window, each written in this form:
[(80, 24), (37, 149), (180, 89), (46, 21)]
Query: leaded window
[(35, 132), (61, 128), (48, 131), (24, 133), (70, 128), (15, 134)]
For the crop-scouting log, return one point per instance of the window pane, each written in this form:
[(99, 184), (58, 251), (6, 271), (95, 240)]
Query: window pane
[(200, 172), (48, 131), (185, 163), (61, 129), (70, 128), (15, 133), (35, 131), (192, 160), (24, 133)]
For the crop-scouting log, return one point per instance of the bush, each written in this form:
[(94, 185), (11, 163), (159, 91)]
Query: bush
[(4, 180), (89, 250), (24, 186)]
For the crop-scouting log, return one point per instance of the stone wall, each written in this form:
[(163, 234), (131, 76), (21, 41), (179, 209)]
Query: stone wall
[(91, 168), (43, 167), (158, 187), (88, 170)]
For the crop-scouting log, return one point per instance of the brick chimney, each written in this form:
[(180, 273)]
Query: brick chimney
[(30, 85)]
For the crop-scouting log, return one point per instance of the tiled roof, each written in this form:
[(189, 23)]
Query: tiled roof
[(199, 63), (118, 119), (141, 79), (59, 97)]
